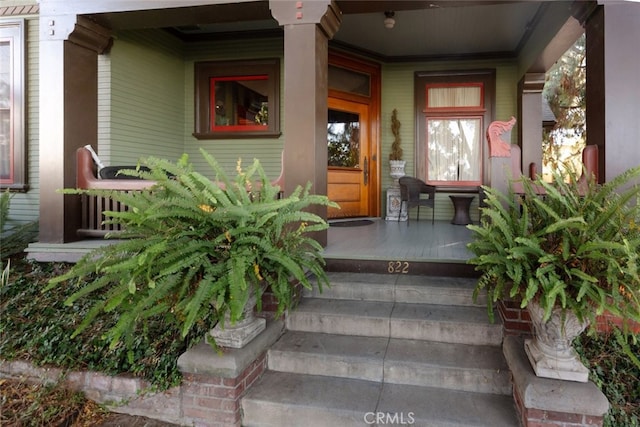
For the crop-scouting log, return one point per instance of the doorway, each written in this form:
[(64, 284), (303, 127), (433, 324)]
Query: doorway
[(349, 158), (353, 137)]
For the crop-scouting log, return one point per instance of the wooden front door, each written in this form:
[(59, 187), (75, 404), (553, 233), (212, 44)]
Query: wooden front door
[(349, 164)]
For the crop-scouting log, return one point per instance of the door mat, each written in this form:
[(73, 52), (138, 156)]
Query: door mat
[(352, 223)]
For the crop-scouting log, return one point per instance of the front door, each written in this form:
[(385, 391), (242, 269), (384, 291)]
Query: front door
[(349, 159)]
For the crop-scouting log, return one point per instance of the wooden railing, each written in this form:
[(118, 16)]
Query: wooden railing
[(93, 207)]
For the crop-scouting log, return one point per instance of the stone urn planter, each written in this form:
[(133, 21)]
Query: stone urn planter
[(550, 351), (571, 243), (240, 333)]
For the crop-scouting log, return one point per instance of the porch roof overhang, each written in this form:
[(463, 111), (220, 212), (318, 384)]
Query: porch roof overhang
[(535, 33)]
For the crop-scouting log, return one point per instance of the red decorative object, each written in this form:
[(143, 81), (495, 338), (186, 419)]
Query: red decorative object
[(497, 146)]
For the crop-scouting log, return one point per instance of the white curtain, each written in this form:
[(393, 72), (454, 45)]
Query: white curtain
[(454, 147), (454, 96)]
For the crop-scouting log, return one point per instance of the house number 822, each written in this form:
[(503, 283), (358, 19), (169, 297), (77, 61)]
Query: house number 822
[(398, 267)]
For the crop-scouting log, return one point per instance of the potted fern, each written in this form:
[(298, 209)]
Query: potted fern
[(569, 253), (200, 249)]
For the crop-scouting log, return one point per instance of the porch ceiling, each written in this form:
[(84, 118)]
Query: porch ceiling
[(423, 29)]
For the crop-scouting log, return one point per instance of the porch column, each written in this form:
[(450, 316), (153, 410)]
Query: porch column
[(530, 120), (69, 46), (308, 26), (613, 87)]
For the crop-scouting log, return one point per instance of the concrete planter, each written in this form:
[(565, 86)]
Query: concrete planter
[(397, 170), (550, 351), (240, 333)]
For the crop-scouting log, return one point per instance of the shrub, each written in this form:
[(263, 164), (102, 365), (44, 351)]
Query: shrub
[(610, 361), (15, 238), (195, 249), (37, 327), (576, 247)]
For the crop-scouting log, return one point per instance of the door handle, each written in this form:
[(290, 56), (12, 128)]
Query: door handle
[(366, 171)]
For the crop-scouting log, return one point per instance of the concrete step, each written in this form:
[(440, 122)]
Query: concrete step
[(434, 322), (400, 288), (401, 361), (292, 400)]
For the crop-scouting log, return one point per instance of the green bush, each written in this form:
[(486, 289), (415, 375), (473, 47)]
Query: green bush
[(37, 327), (577, 247), (609, 358), (17, 237), (196, 249)]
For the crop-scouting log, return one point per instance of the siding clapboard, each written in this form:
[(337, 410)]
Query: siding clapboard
[(141, 98), (227, 152)]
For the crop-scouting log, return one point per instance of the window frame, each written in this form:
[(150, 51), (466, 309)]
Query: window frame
[(14, 33), (426, 79), (207, 72)]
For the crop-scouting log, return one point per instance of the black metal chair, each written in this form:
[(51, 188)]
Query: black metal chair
[(411, 190)]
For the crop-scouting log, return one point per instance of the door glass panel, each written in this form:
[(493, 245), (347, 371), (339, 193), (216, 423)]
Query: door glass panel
[(343, 139)]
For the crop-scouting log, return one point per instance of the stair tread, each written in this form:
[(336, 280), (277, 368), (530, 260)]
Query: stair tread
[(317, 397), (393, 350), (400, 288)]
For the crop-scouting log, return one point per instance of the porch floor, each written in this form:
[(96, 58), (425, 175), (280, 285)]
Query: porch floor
[(378, 243), (416, 241)]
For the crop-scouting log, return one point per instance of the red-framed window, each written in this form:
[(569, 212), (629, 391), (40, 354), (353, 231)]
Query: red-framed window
[(239, 103), (237, 99), (452, 110)]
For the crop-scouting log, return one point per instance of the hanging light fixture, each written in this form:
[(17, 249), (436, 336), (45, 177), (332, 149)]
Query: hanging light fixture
[(389, 22)]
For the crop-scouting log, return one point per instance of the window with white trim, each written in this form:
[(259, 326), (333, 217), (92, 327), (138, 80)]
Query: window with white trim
[(12, 134)]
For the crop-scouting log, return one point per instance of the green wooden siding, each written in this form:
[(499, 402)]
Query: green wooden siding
[(398, 93), (141, 98), (227, 152), (147, 103)]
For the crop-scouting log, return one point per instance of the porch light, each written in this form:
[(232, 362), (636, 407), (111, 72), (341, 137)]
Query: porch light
[(389, 22)]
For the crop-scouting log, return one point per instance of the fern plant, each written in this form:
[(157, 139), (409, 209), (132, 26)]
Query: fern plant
[(199, 247), (575, 247)]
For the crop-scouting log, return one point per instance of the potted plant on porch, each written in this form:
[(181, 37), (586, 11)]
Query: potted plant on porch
[(195, 249), (569, 253), (396, 164)]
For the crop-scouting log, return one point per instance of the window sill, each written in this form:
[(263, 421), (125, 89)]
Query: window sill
[(237, 135)]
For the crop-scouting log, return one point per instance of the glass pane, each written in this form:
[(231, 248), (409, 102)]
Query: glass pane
[(349, 81), (5, 74), (454, 148), (454, 96), (5, 110), (343, 139), (240, 101)]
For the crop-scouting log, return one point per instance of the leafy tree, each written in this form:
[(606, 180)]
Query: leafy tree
[(565, 91)]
